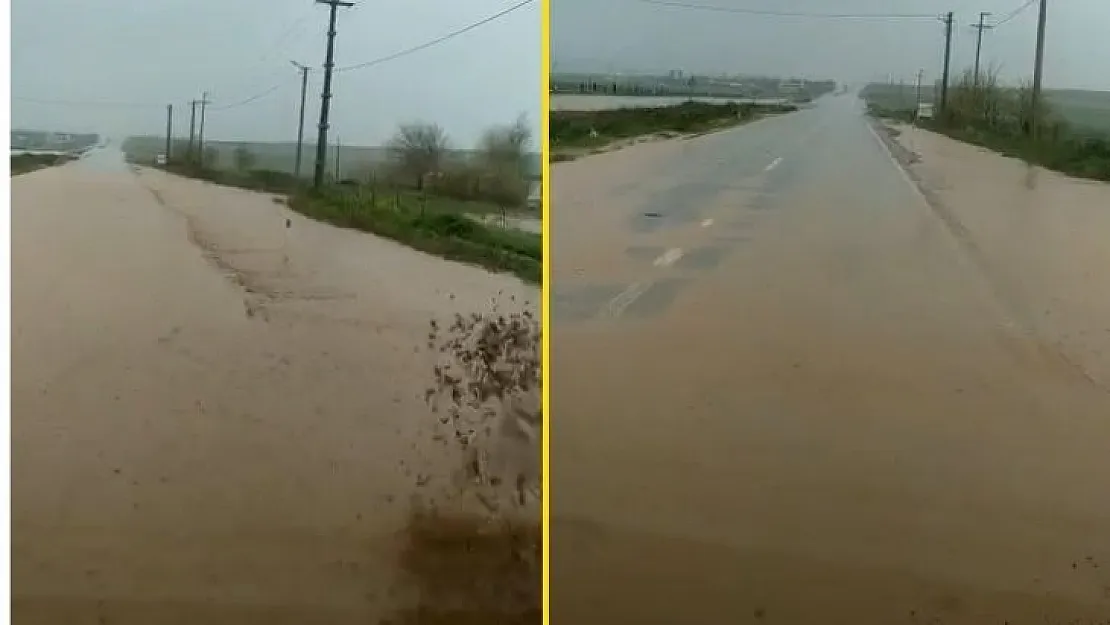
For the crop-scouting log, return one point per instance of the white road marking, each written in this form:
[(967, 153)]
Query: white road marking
[(897, 165), (775, 163), (707, 223), (669, 257), (624, 299)]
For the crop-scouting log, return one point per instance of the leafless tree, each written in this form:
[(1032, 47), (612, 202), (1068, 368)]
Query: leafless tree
[(504, 152), (418, 149), (507, 146)]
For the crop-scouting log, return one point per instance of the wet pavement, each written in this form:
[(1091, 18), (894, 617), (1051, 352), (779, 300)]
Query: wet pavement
[(789, 387), (217, 405)]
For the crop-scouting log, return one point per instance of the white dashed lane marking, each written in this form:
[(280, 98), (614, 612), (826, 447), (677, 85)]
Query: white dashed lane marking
[(618, 304), (668, 258)]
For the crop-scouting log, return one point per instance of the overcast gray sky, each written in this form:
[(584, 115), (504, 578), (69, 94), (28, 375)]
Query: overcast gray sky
[(628, 35), (152, 52)]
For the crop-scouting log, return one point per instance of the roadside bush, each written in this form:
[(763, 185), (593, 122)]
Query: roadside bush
[(244, 159), (276, 181), (461, 181)]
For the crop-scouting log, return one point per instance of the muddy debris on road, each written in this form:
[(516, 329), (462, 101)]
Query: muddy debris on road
[(470, 552)]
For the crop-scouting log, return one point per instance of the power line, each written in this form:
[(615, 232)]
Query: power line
[(294, 28), (253, 98), (1016, 12), (773, 13), (436, 41)]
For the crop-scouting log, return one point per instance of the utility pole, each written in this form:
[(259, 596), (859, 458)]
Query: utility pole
[(917, 107), (169, 133), (192, 129), (325, 97), (1038, 70), (200, 137), (979, 42), (338, 145), (300, 126), (947, 19)]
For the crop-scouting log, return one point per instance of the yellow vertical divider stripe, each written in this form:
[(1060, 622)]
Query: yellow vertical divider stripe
[(545, 303)]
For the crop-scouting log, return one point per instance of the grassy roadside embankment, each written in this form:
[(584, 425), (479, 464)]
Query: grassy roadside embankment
[(26, 163), (996, 117), (424, 221), (579, 133)]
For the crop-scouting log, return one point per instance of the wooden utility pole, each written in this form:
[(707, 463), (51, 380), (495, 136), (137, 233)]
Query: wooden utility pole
[(300, 126), (192, 129), (947, 19), (325, 97), (917, 107), (169, 132), (979, 42), (204, 102), (1038, 69)]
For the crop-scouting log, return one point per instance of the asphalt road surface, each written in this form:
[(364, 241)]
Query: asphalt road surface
[(216, 418), (791, 386)]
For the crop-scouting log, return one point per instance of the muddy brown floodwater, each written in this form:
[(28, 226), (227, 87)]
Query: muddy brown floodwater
[(788, 387), (219, 410)]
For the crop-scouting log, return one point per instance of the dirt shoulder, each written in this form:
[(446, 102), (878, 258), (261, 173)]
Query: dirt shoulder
[(1032, 232)]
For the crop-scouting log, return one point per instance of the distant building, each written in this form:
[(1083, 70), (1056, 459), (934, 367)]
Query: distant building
[(22, 139), (792, 86)]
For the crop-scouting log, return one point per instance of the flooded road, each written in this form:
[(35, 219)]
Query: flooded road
[(788, 387), (217, 404)]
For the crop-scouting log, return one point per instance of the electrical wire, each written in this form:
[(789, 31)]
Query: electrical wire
[(1016, 12), (259, 96), (436, 41), (253, 98), (773, 13), (294, 29)]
